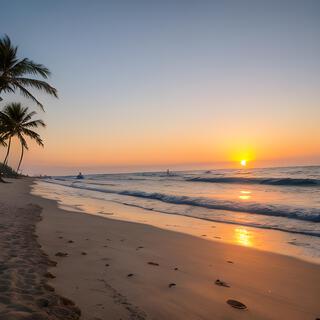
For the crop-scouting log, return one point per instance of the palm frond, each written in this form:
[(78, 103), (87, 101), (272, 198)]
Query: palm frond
[(34, 124), (8, 54), (23, 141), (14, 120), (3, 141), (37, 84), (33, 135), (14, 73), (29, 95), (27, 66)]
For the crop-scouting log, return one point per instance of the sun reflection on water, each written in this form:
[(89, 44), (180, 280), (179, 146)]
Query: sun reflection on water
[(243, 237), (245, 195)]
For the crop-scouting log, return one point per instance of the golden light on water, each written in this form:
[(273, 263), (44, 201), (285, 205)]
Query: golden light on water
[(243, 237), (245, 195)]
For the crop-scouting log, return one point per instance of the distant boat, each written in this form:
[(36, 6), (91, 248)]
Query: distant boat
[(80, 176)]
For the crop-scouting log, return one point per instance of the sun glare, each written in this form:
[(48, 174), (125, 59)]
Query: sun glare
[(243, 163)]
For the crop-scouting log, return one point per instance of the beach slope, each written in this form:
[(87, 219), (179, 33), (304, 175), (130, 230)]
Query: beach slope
[(120, 270)]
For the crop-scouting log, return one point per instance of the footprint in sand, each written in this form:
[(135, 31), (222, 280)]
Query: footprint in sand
[(49, 275), (61, 254), (171, 285), (236, 304), (153, 263), (220, 283)]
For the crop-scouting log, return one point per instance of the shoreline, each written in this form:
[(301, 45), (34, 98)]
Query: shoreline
[(113, 277), (303, 247)]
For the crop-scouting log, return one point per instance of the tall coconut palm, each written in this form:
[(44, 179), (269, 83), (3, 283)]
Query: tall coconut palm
[(17, 122), (15, 73)]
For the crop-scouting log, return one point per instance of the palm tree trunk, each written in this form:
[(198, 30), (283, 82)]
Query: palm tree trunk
[(8, 150), (22, 151)]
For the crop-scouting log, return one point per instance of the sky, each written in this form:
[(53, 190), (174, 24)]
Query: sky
[(151, 85)]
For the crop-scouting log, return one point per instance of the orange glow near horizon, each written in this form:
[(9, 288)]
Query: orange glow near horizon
[(195, 149)]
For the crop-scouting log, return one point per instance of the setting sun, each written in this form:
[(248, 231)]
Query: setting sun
[(243, 163)]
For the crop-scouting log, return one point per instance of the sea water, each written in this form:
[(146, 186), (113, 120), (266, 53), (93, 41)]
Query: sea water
[(283, 199)]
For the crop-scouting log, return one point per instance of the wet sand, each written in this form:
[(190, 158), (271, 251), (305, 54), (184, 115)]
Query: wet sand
[(122, 270)]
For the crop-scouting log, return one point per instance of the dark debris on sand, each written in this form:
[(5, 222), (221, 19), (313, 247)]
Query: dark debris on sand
[(24, 291)]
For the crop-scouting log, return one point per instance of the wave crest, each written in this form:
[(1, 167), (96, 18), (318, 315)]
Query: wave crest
[(267, 181), (298, 213)]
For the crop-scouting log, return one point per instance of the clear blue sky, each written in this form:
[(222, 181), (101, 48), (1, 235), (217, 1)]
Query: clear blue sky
[(160, 83)]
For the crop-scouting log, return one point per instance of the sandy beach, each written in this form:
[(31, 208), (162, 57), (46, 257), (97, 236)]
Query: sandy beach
[(113, 269)]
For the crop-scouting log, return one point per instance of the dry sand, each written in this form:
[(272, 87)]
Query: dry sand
[(24, 289), (107, 270)]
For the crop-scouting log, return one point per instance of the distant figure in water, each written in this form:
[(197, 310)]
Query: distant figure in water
[(168, 172), (80, 176)]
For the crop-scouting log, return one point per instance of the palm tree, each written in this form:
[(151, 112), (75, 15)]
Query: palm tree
[(14, 73), (2, 143), (2, 140), (17, 122)]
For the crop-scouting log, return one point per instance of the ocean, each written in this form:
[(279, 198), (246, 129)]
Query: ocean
[(283, 199)]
